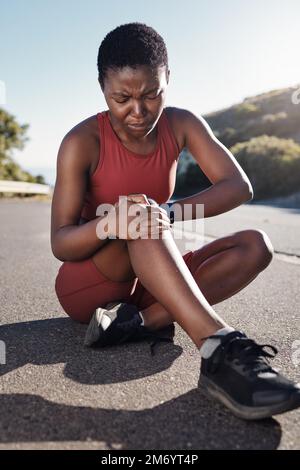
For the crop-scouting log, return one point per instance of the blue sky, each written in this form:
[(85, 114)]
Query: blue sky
[(220, 52)]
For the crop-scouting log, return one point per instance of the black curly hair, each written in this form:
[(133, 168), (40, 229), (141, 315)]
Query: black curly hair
[(131, 44)]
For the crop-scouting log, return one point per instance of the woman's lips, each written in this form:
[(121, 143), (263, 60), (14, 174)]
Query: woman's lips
[(139, 126), (143, 124)]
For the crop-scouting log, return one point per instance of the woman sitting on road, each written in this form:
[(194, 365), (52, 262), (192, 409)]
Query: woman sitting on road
[(130, 288)]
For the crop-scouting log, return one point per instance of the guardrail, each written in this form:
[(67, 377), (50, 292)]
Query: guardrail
[(23, 187)]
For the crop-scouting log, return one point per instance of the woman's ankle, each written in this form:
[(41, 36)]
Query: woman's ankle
[(156, 317)]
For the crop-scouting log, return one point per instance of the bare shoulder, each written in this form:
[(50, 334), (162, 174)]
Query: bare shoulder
[(180, 120), (75, 157), (84, 136), (86, 127), (186, 124), (173, 115)]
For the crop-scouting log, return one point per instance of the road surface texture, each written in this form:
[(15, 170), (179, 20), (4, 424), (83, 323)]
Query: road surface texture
[(56, 394)]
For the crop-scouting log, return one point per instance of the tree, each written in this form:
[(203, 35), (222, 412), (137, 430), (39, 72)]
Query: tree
[(12, 136), (40, 179)]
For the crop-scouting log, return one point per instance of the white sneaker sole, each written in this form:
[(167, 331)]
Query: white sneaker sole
[(247, 412), (94, 330)]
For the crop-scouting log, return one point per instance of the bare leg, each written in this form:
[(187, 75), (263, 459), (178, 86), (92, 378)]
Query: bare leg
[(221, 268), (160, 267)]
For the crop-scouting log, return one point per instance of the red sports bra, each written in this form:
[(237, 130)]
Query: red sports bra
[(122, 172)]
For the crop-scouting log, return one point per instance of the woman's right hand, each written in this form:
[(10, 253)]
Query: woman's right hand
[(153, 220)]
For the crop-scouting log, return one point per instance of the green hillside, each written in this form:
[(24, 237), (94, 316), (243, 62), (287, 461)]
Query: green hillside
[(263, 133)]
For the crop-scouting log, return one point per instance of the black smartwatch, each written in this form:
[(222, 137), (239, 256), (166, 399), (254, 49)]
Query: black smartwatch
[(169, 204), (170, 213)]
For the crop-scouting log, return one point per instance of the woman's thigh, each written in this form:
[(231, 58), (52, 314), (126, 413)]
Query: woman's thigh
[(81, 288)]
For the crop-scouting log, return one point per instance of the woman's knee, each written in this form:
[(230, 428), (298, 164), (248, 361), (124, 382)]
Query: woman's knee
[(258, 244)]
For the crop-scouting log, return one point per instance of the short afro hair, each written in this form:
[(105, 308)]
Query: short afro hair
[(130, 45)]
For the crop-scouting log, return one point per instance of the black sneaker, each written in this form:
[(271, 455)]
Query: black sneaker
[(239, 376), (124, 325)]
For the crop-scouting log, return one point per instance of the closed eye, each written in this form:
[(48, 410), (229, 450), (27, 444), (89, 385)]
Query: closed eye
[(123, 101), (153, 97)]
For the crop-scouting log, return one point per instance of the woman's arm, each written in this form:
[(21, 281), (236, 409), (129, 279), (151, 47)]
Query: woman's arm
[(230, 184), (70, 241)]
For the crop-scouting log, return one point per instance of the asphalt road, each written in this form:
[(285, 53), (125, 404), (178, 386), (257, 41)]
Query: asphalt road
[(57, 394)]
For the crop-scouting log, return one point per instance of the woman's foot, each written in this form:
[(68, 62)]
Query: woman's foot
[(238, 375), (119, 323)]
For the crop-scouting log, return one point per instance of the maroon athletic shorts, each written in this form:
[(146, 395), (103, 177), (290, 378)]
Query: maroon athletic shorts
[(81, 288)]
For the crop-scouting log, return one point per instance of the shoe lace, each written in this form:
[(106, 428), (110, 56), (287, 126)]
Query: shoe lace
[(163, 335), (132, 326), (156, 340), (253, 356)]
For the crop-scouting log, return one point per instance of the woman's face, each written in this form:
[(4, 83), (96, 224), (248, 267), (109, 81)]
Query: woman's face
[(136, 97)]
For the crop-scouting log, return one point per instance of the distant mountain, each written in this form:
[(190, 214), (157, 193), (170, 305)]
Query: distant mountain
[(265, 116), (274, 113)]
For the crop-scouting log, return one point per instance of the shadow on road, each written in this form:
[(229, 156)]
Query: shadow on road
[(60, 340), (190, 421), (187, 422)]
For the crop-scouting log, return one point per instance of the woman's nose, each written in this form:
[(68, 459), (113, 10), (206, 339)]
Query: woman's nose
[(138, 109)]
